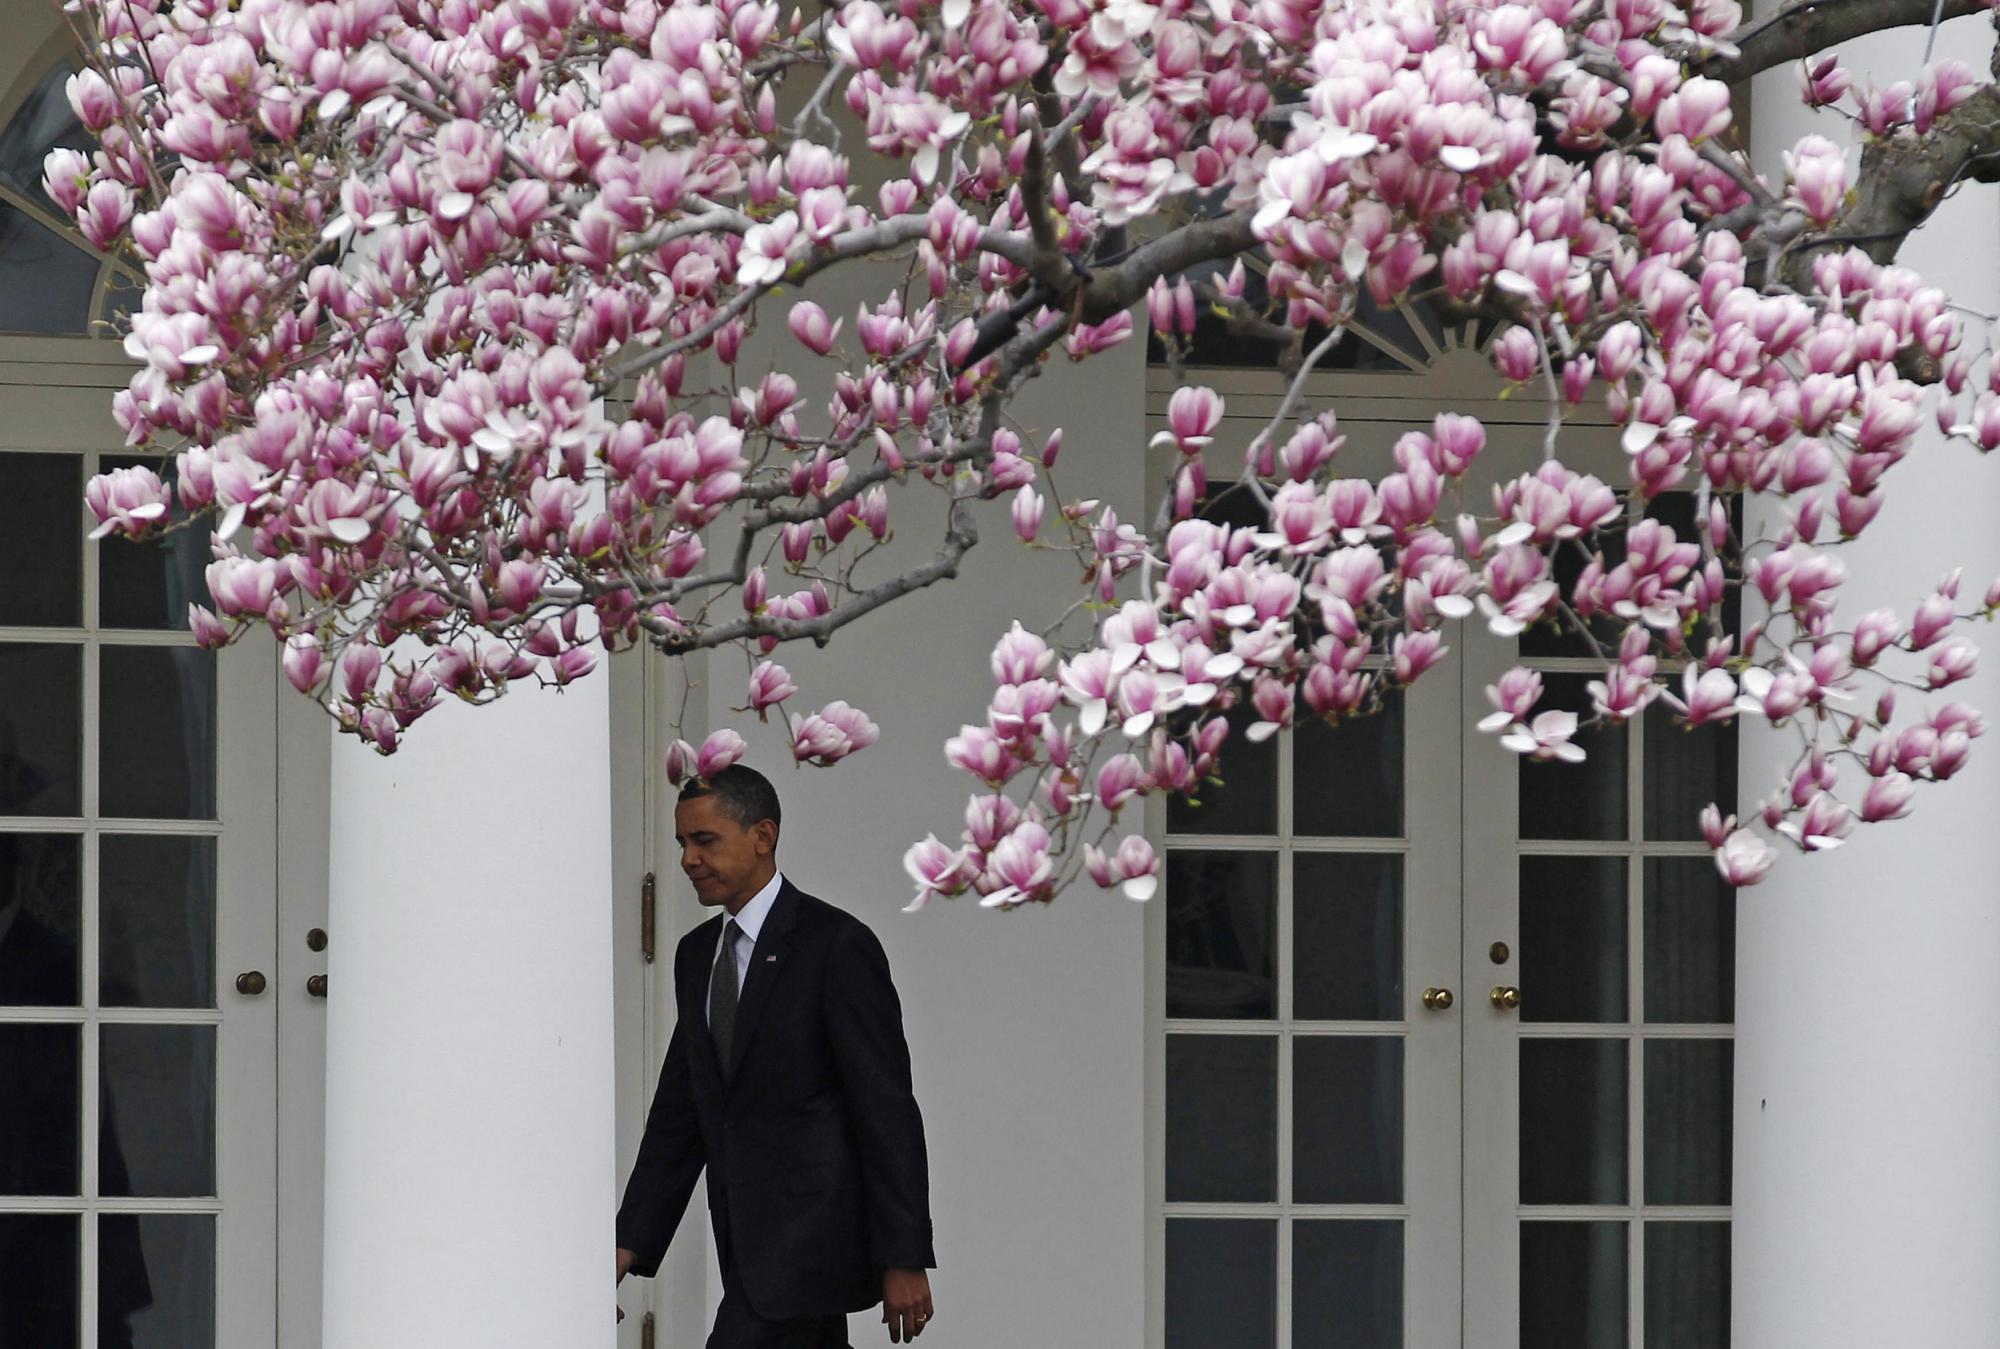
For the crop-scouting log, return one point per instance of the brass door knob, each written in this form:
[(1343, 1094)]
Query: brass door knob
[(316, 986), (250, 983), (1437, 999), (1506, 997)]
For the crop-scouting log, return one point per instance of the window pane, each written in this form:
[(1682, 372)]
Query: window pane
[(43, 122), (156, 1280), (45, 280), (1573, 959), (1573, 1120), (158, 719), (151, 584), (1347, 1285), (1347, 937), (1690, 941), (1685, 771), (1573, 1285), (41, 1118), (157, 1111), (1222, 1283), (1347, 1119), (1583, 800), (1222, 1118), (158, 908), (1689, 1109), (41, 540), (38, 1279), (1222, 912), (41, 914), (1687, 1285), (41, 729), (1349, 778), (1246, 802)]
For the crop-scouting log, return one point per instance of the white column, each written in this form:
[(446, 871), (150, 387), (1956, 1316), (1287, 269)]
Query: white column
[(469, 1162), (1867, 1178)]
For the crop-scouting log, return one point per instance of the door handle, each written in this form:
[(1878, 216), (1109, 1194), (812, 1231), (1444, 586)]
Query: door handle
[(316, 986), (250, 983), (1437, 999), (1506, 997)]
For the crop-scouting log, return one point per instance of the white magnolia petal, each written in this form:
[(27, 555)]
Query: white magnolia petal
[(1141, 888), (349, 529), (1518, 532), (1638, 436), (232, 520), (1346, 145)]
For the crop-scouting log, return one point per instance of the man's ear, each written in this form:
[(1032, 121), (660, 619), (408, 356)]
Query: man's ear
[(767, 837)]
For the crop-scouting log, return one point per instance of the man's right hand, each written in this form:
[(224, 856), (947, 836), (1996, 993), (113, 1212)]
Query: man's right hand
[(625, 1259)]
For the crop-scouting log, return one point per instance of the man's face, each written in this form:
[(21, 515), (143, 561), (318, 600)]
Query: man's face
[(726, 862)]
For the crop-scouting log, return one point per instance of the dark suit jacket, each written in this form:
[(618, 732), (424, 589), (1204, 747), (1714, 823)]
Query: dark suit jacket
[(814, 1147)]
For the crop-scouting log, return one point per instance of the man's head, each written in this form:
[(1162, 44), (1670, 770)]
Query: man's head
[(727, 828)]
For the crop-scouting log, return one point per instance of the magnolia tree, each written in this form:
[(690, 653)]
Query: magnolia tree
[(446, 304)]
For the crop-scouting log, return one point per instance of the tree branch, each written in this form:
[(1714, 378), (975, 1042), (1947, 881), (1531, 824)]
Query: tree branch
[(1806, 27)]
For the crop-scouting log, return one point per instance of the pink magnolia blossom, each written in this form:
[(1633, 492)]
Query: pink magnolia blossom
[(1743, 858), (770, 685), (832, 734), (126, 500), (719, 751), (499, 440)]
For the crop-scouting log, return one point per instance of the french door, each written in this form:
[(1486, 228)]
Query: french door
[(143, 1000), (1442, 1046)]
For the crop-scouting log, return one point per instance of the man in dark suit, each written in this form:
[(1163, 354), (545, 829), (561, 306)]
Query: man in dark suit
[(788, 1078)]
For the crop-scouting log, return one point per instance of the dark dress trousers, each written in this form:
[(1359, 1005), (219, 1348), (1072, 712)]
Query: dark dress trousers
[(811, 1137)]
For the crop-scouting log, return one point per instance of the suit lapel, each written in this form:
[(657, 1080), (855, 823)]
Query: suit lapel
[(767, 963)]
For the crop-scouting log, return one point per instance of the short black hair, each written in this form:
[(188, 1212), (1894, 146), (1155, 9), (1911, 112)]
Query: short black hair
[(745, 795)]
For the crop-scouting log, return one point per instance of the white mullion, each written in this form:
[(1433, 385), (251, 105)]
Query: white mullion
[(92, 1069), (1635, 1077), (1188, 1208), (1316, 844), (1287, 777)]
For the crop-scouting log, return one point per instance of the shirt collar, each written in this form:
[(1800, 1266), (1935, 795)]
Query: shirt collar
[(750, 918)]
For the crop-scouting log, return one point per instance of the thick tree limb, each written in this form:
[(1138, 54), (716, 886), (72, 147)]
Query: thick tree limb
[(1904, 179), (1112, 290), (1805, 27)]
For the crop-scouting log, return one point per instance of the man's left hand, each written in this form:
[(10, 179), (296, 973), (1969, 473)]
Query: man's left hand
[(906, 1303)]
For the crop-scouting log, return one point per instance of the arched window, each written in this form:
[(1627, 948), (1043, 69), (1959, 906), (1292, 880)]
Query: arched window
[(51, 281)]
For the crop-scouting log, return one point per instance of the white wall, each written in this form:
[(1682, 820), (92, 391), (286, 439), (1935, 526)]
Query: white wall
[(1867, 1184)]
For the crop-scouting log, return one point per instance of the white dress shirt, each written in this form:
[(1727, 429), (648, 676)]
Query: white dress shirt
[(750, 918)]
